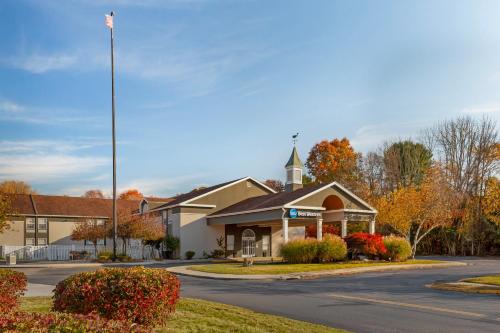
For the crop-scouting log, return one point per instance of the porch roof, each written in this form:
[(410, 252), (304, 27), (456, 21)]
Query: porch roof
[(286, 200)]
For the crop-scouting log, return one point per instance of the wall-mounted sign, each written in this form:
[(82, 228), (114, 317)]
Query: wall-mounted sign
[(296, 213)]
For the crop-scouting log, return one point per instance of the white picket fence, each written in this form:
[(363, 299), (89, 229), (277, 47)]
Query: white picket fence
[(63, 252)]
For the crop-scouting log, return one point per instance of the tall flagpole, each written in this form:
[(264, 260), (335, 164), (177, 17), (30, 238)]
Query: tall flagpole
[(109, 23)]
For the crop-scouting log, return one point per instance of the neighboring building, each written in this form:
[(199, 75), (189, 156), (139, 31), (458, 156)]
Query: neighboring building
[(254, 219), (46, 219)]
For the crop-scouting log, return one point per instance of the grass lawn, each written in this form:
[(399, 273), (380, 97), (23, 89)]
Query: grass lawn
[(193, 315), (492, 279), (284, 268)]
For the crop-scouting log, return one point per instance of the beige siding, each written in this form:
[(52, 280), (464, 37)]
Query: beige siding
[(231, 195), (276, 240), (60, 233), (13, 235), (197, 236), (317, 199), (176, 224)]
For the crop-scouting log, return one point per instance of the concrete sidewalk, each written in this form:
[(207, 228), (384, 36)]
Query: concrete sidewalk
[(66, 264), (184, 270), (37, 289)]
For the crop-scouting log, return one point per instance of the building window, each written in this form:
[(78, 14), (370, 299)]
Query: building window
[(42, 241), (144, 207), (30, 223), (30, 241), (164, 217), (170, 227), (230, 242), (42, 224), (100, 222)]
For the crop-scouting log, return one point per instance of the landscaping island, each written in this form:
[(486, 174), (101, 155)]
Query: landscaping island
[(285, 268), (194, 315), (478, 285)]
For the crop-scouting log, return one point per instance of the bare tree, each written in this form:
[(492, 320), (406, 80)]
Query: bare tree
[(275, 184), (467, 148), (93, 194), (373, 171)]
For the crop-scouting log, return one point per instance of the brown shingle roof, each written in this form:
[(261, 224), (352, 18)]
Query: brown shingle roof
[(66, 206), (267, 201), (20, 203)]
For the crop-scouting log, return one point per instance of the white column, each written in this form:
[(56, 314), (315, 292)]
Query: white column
[(319, 229), (344, 228), (285, 230), (371, 227)]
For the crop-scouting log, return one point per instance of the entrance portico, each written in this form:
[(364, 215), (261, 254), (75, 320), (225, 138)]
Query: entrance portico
[(285, 215)]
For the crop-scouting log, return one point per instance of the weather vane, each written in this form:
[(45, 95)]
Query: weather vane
[(294, 138)]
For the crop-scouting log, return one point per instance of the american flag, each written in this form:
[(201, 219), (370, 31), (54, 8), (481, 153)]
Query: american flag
[(109, 21)]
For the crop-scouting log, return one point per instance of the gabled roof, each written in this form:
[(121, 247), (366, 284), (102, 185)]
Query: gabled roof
[(284, 200), (294, 160), (157, 199), (154, 202), (53, 205), (268, 201), (187, 198)]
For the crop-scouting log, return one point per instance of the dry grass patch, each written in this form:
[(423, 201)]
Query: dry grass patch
[(466, 288), (494, 280), (284, 268)]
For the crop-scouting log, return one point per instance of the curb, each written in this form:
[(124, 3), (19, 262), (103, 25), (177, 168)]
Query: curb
[(185, 271), (107, 264), (74, 265)]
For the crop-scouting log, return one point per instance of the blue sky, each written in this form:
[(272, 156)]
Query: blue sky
[(208, 91)]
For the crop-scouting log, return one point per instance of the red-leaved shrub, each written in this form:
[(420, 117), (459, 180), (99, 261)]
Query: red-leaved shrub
[(12, 286), (26, 322), (139, 295), (367, 244), (328, 228)]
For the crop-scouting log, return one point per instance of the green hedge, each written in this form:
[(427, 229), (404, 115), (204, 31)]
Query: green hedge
[(304, 251), (331, 248), (398, 248)]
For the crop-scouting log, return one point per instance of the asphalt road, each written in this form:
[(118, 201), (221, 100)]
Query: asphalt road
[(374, 302)]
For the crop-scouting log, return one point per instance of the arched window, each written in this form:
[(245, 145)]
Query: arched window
[(248, 243), (333, 202)]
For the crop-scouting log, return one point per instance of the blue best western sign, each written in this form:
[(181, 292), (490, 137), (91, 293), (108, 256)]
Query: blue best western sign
[(296, 213)]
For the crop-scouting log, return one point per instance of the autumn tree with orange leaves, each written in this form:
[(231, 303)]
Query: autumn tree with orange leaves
[(334, 160), (131, 194), (152, 233), (89, 230), (491, 202), (414, 211)]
